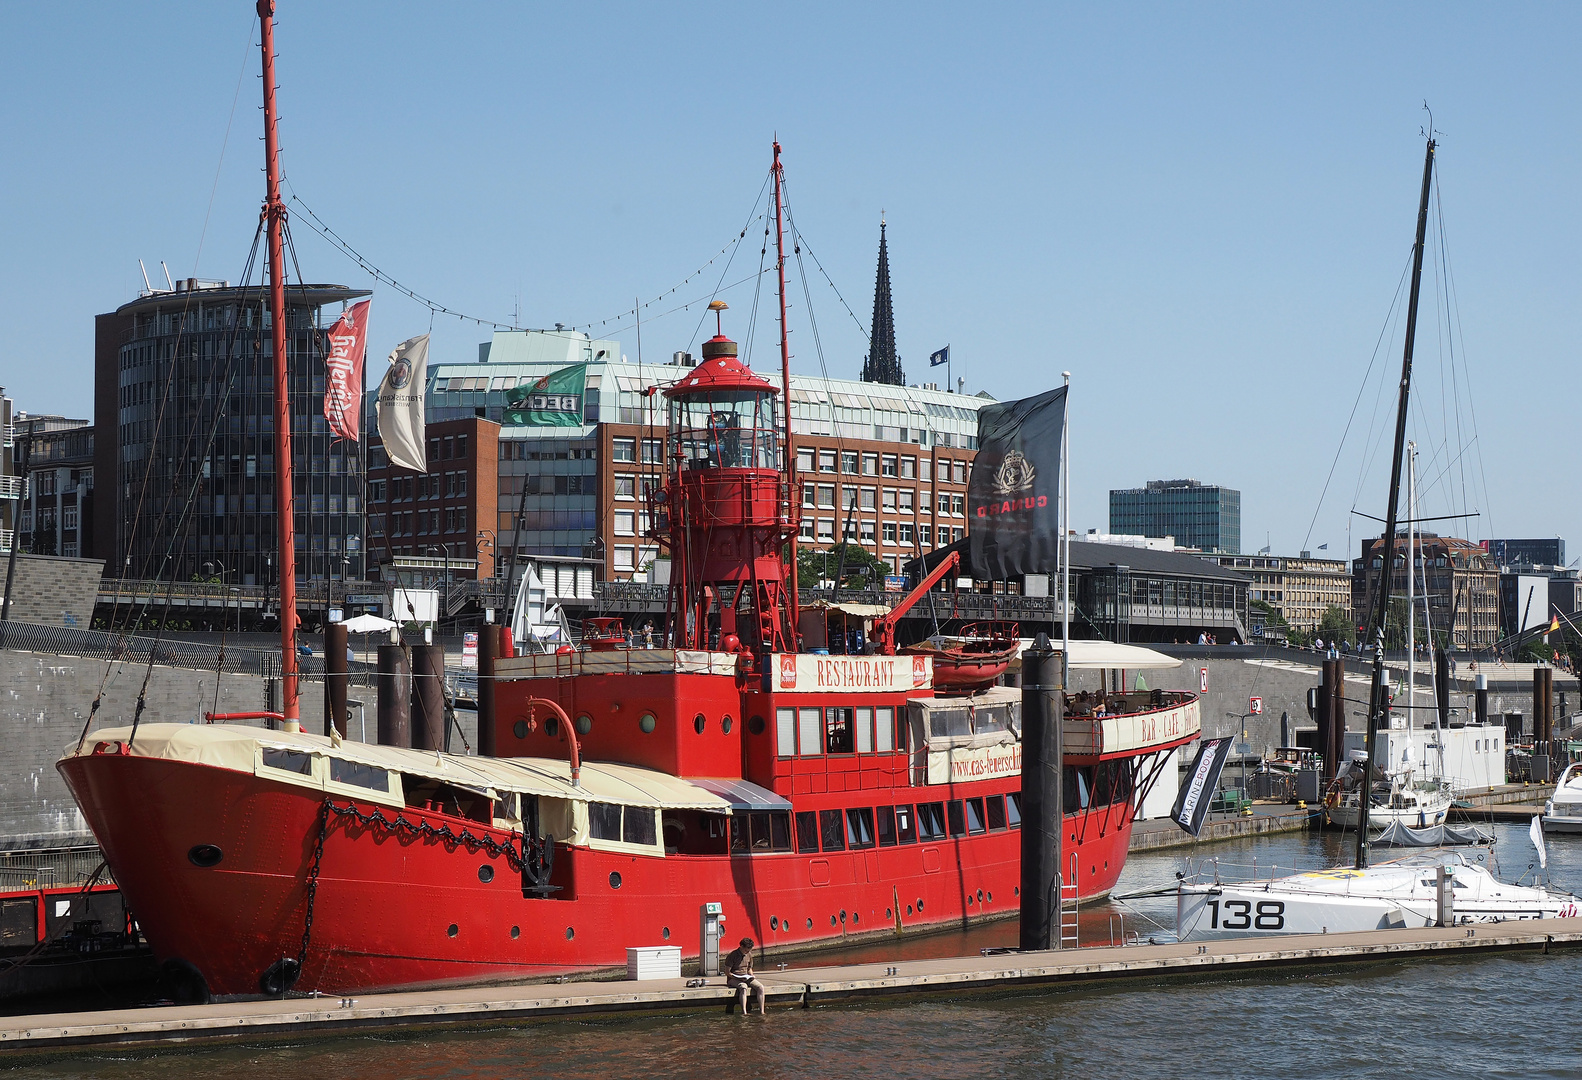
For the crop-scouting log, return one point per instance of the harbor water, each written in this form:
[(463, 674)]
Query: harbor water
[(1506, 1015)]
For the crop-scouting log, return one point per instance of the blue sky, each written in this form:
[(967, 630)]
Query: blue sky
[(1203, 212)]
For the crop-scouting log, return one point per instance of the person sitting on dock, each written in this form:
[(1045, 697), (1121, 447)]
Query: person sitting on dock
[(739, 975)]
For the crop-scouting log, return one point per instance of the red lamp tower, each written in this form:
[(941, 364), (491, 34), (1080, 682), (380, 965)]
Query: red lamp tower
[(727, 508)]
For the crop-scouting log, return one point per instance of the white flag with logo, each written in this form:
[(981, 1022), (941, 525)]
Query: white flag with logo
[(400, 404)]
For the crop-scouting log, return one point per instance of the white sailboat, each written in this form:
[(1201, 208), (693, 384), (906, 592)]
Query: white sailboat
[(1429, 889)]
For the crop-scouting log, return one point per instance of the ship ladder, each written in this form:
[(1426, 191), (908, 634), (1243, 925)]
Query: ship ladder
[(1068, 906)]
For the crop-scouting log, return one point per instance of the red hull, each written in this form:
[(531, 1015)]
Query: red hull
[(392, 912)]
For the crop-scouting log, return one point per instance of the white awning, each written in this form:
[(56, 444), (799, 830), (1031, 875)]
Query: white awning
[(1105, 654)]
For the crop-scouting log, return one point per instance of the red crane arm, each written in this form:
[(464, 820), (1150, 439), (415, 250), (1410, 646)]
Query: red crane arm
[(884, 625)]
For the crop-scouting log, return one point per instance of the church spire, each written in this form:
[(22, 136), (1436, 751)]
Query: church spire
[(881, 365)]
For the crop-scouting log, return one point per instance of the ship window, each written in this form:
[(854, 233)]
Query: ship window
[(604, 821), (1013, 809), (838, 724), (996, 808), (807, 831), (785, 732), (885, 826), (1078, 785), (975, 816), (809, 738), (859, 827), (759, 821), (958, 819), (739, 837), (864, 731), (931, 821), (359, 775), (884, 729), (294, 761), (905, 825), (780, 830), (832, 834), (637, 826)]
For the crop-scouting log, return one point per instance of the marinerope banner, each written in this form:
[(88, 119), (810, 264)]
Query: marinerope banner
[(1013, 495)]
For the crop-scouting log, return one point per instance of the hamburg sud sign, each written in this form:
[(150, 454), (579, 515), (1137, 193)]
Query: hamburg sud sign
[(1013, 495), (553, 400)]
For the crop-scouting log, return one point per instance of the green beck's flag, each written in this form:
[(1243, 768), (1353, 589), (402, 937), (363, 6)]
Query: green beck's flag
[(553, 400)]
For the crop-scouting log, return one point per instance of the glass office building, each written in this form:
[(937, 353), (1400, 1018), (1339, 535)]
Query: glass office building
[(1203, 516), (190, 454)]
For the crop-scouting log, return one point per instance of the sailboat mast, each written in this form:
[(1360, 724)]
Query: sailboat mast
[(792, 502), (274, 227), (1378, 708), (1411, 583)]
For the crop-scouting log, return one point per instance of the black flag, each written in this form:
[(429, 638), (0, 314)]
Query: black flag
[(1192, 802), (1013, 497)]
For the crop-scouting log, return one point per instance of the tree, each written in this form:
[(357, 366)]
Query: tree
[(1336, 625), (861, 567), (1274, 624)]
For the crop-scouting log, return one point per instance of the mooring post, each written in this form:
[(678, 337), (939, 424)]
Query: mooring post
[(1042, 799), (488, 650), (428, 697), (395, 696), (335, 678)]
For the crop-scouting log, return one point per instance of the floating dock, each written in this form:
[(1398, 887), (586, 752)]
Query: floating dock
[(299, 1019)]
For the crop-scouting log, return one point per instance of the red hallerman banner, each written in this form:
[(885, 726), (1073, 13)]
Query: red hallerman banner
[(343, 376)]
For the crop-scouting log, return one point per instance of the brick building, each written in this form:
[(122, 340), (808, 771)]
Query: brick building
[(418, 515)]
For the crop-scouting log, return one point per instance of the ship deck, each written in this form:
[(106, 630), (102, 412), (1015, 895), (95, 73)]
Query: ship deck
[(41, 1037)]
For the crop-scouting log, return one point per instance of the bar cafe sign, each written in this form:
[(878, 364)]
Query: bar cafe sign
[(807, 674)]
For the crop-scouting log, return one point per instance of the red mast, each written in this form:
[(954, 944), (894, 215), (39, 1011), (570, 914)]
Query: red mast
[(792, 503), (274, 223)]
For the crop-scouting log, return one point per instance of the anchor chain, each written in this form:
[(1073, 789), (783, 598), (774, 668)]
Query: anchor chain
[(400, 826), (313, 884)]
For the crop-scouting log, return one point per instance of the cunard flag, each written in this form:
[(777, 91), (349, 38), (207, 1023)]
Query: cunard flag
[(1013, 495), (345, 344), (400, 404)]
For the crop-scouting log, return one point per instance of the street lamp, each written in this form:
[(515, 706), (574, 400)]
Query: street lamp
[(208, 568), (444, 550)]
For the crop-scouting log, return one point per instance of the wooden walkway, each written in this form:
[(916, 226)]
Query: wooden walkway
[(258, 1022)]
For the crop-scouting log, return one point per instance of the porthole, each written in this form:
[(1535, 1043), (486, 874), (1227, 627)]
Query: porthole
[(519, 729), (699, 723), (774, 922), (570, 933), (842, 914), (980, 896), (991, 898), (1016, 890), (909, 909), (615, 880), (552, 726), (584, 724), (516, 932), (810, 922), (725, 723), (969, 899), (832, 920), (920, 903), (855, 918), (756, 725), (646, 723), (889, 913), (452, 930), (486, 873), (665, 933), (205, 856)]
